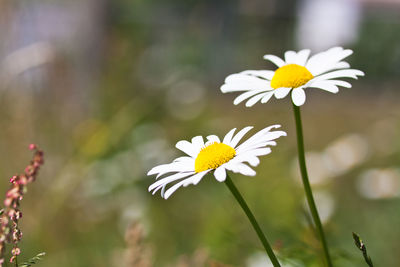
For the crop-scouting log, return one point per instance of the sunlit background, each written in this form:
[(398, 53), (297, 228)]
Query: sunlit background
[(106, 89)]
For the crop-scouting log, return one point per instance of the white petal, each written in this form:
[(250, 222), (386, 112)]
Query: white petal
[(281, 92), (246, 170), (213, 138), (172, 189), (195, 179), (252, 147), (187, 147), (328, 60), (242, 78), (302, 57), (252, 160), (256, 152), (341, 65), (325, 85), (169, 179), (276, 60), (343, 53), (246, 85), (239, 136), (340, 83), (158, 187), (265, 74), (273, 135), (198, 143), (349, 73), (331, 67), (220, 174), (267, 97), (239, 168), (239, 87), (172, 167), (298, 96), (184, 159), (162, 190), (158, 169), (255, 99), (290, 57), (265, 134), (228, 136), (261, 141), (261, 136), (246, 95)]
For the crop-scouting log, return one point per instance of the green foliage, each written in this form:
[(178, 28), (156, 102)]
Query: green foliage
[(33, 260), (361, 246)]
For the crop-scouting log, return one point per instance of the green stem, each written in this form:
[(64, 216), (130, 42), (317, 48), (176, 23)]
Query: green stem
[(306, 183), (253, 221)]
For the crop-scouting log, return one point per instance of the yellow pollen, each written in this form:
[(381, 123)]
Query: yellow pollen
[(290, 76), (213, 156)]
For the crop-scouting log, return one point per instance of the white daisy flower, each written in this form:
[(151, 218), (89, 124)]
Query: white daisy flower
[(294, 74), (214, 155)]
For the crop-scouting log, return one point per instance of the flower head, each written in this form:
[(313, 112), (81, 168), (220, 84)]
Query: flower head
[(214, 155), (294, 74)]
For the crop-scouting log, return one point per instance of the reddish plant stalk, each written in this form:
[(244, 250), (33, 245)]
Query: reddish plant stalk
[(10, 215)]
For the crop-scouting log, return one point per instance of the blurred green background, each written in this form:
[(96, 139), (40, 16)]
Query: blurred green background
[(106, 89)]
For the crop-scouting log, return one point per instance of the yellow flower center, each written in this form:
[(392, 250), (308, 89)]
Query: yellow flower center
[(213, 156), (290, 76)]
